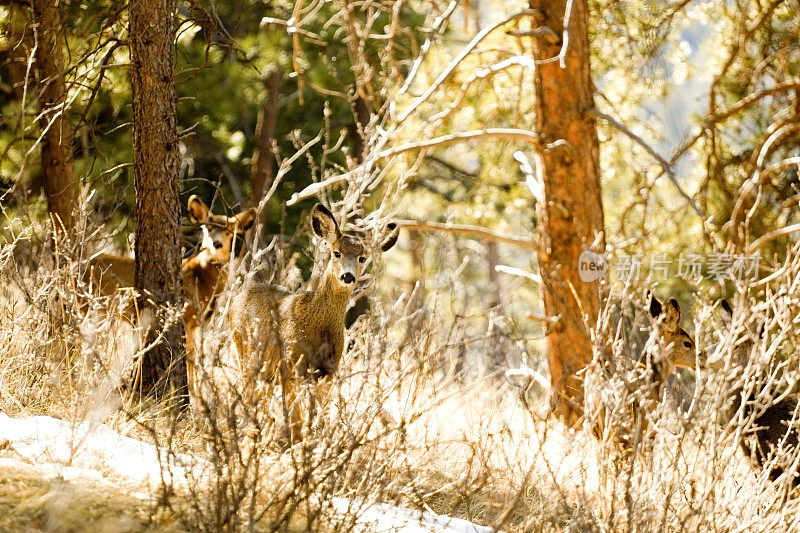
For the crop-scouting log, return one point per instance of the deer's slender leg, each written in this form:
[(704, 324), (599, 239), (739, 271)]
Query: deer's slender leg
[(190, 319), (292, 411)]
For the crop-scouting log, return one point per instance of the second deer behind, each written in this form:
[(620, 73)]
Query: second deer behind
[(623, 390), (298, 338)]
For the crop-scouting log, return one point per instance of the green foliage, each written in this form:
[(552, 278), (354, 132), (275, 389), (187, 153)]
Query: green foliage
[(648, 59), (223, 54)]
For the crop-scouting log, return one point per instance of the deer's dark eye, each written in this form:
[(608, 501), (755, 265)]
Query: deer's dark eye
[(687, 344), (362, 259), (337, 255), (217, 245)]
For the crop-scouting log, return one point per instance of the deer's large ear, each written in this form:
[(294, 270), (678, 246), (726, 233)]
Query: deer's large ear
[(324, 225), (198, 210), (391, 238), (655, 306), (244, 220), (672, 315), (669, 314)]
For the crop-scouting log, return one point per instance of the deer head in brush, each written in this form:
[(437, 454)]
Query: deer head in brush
[(623, 388), (349, 253), (223, 236), (677, 346), (204, 273)]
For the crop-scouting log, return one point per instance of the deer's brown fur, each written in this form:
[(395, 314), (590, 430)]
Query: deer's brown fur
[(203, 274), (299, 337), (622, 390)]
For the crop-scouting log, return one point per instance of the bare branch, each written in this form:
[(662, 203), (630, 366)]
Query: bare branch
[(772, 235), (458, 59), (438, 24), (562, 54), (667, 168), (234, 183), (284, 167), (542, 31), (513, 271), (451, 166), (781, 165), (291, 27), (480, 74), (767, 148), (311, 36), (445, 140), (113, 169), (468, 231), (750, 99)]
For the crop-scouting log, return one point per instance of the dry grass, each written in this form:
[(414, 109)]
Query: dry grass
[(34, 501), (407, 424)]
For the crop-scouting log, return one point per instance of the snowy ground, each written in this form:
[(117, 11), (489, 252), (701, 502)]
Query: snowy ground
[(56, 449)]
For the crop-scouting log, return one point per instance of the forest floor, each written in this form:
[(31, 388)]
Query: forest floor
[(405, 441), (55, 476)]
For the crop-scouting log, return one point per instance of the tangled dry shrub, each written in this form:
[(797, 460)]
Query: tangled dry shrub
[(724, 450), (408, 424), (59, 340), (356, 446)]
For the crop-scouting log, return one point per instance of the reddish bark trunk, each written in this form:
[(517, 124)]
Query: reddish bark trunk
[(571, 218)]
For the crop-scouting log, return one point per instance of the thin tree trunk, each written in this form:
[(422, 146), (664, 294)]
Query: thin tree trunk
[(570, 219), (262, 172), (362, 116), (494, 280), (497, 348), (60, 186), (158, 231), (17, 57)]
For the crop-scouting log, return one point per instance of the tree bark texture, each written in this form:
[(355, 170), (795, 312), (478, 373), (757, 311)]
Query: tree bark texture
[(156, 170), (570, 219), (61, 189), (262, 172), (362, 116), (361, 113)]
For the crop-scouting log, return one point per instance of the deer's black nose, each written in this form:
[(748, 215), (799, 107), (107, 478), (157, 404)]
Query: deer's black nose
[(347, 277)]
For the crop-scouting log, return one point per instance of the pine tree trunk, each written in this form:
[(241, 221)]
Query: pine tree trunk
[(362, 116), (571, 218), (156, 165), (61, 188), (262, 172)]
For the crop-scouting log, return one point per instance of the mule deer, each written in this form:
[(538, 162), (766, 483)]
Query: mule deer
[(203, 274), (621, 390), (767, 414), (299, 337)]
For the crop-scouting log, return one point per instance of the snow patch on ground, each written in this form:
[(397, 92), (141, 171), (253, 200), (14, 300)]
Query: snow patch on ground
[(57, 448), (82, 450), (384, 518)]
